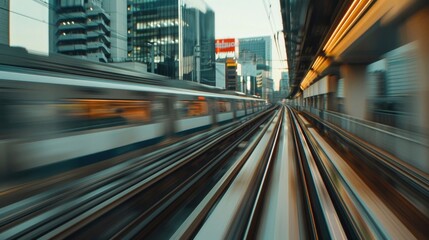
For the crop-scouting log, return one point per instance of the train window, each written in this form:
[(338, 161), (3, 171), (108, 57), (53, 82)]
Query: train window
[(158, 110), (247, 104), (35, 112), (107, 112), (192, 108), (197, 108), (239, 105), (224, 106), (181, 107), (132, 111)]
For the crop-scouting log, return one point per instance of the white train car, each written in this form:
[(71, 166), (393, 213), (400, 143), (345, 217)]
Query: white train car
[(52, 118)]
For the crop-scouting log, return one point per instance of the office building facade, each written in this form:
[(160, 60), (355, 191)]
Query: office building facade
[(226, 74), (220, 75), (284, 84), (4, 22), (256, 50), (174, 38), (268, 89), (117, 9), (82, 29), (231, 74)]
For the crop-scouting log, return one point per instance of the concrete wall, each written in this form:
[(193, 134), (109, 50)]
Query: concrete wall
[(409, 147), (52, 27), (354, 90), (118, 23), (416, 29)]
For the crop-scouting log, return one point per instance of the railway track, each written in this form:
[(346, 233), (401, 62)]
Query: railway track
[(149, 181), (269, 178), (232, 208), (300, 187)]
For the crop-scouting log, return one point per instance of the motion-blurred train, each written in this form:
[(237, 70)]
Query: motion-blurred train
[(47, 118)]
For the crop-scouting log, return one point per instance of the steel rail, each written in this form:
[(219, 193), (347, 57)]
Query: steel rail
[(231, 206), (325, 216), (356, 218), (192, 224), (260, 198), (283, 215), (143, 224)]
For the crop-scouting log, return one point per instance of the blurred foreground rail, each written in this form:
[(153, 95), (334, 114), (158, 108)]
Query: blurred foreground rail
[(273, 176)]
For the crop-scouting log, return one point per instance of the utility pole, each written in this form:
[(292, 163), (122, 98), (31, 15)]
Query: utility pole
[(152, 56), (197, 47)]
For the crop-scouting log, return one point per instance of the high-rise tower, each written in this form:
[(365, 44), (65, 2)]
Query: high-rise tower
[(256, 50), (174, 38), (81, 29)]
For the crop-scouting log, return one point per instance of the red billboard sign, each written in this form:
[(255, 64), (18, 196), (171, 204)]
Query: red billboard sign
[(225, 45)]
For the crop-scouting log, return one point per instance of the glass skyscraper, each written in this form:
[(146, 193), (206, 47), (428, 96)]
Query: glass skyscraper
[(174, 38), (255, 49)]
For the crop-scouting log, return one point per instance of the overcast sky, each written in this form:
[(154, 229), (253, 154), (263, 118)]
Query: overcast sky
[(29, 25), (244, 18)]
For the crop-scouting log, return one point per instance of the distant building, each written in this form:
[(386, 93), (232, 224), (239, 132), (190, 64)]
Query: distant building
[(220, 74), (53, 26), (4, 22), (268, 89), (251, 85), (226, 74), (262, 76), (284, 84), (174, 38), (95, 30), (82, 29), (277, 97), (248, 73), (256, 50), (231, 74), (118, 29), (240, 84)]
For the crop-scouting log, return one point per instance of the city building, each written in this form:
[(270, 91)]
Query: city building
[(118, 29), (255, 49), (284, 84), (268, 89), (174, 38), (4, 22), (82, 29), (231, 74), (220, 75), (226, 74), (247, 74), (254, 56), (225, 54)]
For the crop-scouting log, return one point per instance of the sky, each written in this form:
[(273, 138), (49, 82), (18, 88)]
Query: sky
[(29, 25), (251, 18), (242, 18)]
